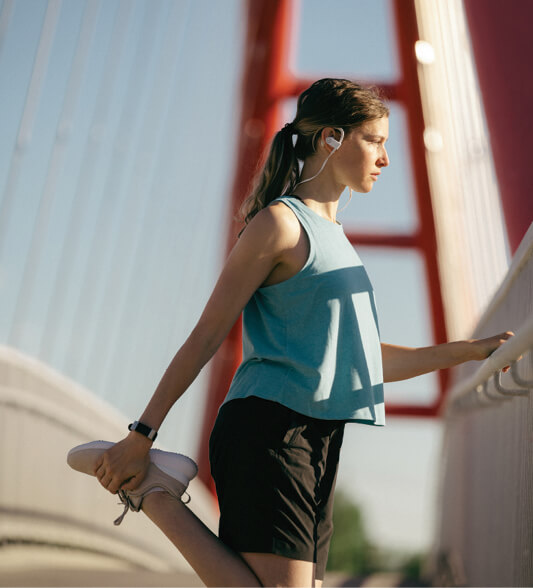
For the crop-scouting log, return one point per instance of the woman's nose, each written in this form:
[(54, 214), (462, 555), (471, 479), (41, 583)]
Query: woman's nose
[(383, 159)]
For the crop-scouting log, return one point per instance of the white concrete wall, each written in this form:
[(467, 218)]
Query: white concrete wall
[(43, 502)]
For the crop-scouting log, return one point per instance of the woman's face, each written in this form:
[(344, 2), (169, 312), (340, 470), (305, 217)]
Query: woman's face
[(362, 155)]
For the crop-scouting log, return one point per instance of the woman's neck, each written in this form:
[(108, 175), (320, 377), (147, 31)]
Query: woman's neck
[(321, 197)]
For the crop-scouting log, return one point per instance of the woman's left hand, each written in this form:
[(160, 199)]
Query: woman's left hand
[(482, 348), (401, 363)]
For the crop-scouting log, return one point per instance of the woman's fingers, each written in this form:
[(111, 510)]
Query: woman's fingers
[(121, 467), (506, 335), (125, 478), (106, 474), (137, 476), (111, 482), (114, 484), (502, 338), (496, 341), (132, 482), (106, 482), (98, 465)]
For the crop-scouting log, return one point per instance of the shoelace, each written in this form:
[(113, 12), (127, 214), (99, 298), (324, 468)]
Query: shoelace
[(128, 505)]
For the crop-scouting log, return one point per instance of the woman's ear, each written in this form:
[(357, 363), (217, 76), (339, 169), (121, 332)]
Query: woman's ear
[(329, 139), (325, 134)]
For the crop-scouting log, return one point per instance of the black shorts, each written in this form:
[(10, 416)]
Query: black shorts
[(275, 472)]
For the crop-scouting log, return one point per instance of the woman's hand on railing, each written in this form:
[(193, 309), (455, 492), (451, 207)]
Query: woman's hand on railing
[(482, 348)]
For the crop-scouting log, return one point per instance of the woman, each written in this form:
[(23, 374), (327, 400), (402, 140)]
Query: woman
[(312, 360)]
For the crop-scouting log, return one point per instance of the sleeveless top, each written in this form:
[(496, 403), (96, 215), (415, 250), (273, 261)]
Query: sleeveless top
[(312, 341)]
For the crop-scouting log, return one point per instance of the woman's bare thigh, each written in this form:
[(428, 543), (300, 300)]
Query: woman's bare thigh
[(276, 570)]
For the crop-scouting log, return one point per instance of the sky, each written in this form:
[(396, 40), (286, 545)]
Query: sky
[(119, 121)]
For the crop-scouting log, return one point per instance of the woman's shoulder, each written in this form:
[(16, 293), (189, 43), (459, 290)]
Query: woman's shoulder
[(277, 220)]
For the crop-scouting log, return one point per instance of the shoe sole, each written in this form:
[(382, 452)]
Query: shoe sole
[(83, 457)]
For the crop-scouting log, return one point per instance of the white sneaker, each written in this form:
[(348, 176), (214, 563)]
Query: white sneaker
[(167, 471)]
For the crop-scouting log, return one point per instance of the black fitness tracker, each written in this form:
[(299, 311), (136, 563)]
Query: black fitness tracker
[(143, 430)]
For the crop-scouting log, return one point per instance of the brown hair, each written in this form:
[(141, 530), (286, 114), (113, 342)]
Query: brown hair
[(329, 102)]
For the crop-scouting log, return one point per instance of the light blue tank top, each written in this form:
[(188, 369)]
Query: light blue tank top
[(312, 342)]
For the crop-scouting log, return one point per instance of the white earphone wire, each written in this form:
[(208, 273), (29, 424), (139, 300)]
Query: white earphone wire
[(349, 200)]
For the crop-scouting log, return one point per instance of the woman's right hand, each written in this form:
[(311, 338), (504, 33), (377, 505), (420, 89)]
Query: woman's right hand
[(124, 465)]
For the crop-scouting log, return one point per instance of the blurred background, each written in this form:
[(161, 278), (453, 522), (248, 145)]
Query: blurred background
[(130, 130)]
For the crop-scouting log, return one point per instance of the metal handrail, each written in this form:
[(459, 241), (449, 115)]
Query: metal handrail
[(473, 390), (518, 378), (497, 378)]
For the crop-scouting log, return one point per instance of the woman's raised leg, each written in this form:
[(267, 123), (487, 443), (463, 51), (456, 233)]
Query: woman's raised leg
[(276, 570), (214, 562)]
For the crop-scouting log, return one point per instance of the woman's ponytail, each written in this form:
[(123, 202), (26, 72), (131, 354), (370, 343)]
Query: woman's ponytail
[(278, 176)]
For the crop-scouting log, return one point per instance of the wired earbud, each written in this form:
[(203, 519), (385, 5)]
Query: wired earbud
[(332, 142)]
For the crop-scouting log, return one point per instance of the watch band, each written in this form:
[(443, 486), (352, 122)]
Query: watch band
[(143, 430)]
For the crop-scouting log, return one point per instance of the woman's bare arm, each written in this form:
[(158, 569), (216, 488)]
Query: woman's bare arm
[(401, 363), (268, 238)]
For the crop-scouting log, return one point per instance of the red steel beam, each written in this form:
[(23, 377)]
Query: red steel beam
[(402, 241)]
